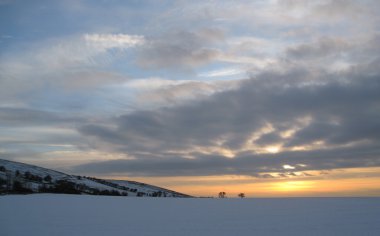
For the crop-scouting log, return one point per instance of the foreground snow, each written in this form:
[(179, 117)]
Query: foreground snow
[(49, 214)]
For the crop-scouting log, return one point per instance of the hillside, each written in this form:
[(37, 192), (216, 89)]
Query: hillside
[(18, 177)]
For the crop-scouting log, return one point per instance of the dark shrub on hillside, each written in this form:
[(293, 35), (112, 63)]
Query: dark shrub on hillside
[(47, 178), (3, 185), (109, 193), (29, 176), (18, 188), (63, 186)]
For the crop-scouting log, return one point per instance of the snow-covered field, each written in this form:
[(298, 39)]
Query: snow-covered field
[(54, 215)]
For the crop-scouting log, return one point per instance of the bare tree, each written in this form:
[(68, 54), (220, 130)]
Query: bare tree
[(241, 195), (222, 194)]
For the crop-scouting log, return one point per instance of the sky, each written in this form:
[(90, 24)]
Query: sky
[(270, 98)]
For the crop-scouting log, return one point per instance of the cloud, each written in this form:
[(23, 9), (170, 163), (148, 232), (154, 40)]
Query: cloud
[(26, 130), (20, 117), (239, 113), (311, 102), (180, 49), (222, 72), (269, 139), (315, 116), (324, 47), (326, 11), (342, 8), (257, 165), (74, 53), (151, 93), (108, 41), (76, 64), (333, 54)]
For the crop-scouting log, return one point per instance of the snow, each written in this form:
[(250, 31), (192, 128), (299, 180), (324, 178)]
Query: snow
[(49, 214), (35, 170), (145, 188)]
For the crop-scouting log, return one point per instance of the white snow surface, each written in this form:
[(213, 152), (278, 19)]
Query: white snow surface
[(58, 214)]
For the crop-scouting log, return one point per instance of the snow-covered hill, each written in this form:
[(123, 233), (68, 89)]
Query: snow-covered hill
[(19, 177)]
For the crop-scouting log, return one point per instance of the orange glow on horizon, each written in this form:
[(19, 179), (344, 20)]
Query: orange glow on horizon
[(292, 186), (348, 182), (318, 188)]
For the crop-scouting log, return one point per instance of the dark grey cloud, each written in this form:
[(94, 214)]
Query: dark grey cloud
[(184, 92), (234, 115), (323, 47), (29, 133), (341, 111), (31, 117), (269, 138), (343, 8), (349, 56), (333, 10), (244, 164), (180, 49)]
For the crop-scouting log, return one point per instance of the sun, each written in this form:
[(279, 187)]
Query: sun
[(272, 149), (291, 186)]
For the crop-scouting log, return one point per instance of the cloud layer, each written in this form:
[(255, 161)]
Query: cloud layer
[(258, 88), (285, 110)]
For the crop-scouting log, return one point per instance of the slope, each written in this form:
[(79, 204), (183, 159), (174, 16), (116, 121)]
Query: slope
[(16, 177)]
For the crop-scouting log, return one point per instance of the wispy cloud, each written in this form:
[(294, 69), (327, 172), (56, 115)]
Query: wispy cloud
[(152, 93), (71, 63), (180, 49), (222, 72), (108, 41)]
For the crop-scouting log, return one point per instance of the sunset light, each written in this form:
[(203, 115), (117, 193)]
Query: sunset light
[(201, 117), (265, 98)]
